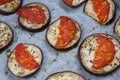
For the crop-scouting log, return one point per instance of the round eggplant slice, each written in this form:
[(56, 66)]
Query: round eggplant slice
[(117, 27), (66, 75), (73, 3), (102, 12), (25, 60), (6, 35), (9, 6), (29, 18), (56, 30), (100, 54)]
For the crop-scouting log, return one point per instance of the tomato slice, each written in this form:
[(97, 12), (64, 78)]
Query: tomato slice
[(5, 1), (33, 13), (105, 52), (101, 8), (68, 2), (24, 58), (67, 32)]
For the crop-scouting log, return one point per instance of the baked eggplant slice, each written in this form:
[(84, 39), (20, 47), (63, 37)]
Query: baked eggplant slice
[(73, 3), (25, 59), (66, 75), (6, 35), (100, 54), (117, 27), (34, 16), (102, 11), (9, 6), (63, 33)]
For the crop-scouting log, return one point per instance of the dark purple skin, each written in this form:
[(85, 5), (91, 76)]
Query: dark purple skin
[(39, 29), (12, 12), (2, 49), (115, 24), (33, 72), (63, 72)]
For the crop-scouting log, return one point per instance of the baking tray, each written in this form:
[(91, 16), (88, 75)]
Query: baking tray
[(54, 60)]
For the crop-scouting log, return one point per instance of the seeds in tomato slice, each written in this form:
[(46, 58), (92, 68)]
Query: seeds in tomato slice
[(24, 58), (67, 32), (105, 52), (101, 8)]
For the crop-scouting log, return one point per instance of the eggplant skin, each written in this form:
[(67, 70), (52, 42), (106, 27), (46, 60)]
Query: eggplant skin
[(62, 73), (117, 27), (11, 12), (92, 14), (10, 42), (66, 48), (32, 73), (37, 29), (114, 64), (75, 6), (34, 30)]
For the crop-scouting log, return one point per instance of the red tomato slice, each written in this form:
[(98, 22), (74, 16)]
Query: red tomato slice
[(5, 1), (24, 58), (68, 2), (67, 32), (33, 13), (105, 52), (101, 8)]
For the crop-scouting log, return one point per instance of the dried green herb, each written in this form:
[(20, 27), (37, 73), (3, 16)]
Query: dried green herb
[(16, 27), (32, 34), (7, 55), (34, 77), (9, 50), (44, 70), (6, 72)]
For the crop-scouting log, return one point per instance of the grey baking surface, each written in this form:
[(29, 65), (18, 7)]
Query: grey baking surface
[(54, 60)]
